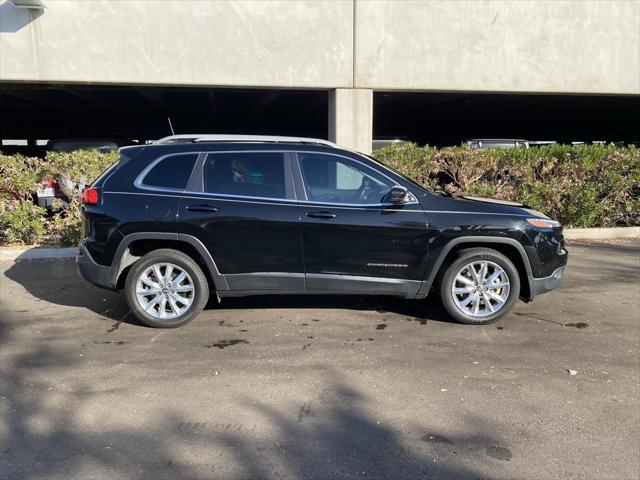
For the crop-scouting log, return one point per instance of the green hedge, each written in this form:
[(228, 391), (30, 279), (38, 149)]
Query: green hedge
[(23, 222), (582, 186)]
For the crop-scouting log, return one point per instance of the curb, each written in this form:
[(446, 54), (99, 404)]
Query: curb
[(37, 253), (601, 233)]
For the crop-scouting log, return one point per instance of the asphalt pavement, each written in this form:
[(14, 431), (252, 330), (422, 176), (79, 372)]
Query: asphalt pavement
[(322, 387)]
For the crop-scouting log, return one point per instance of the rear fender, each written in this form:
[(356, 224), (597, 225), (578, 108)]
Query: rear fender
[(123, 257)]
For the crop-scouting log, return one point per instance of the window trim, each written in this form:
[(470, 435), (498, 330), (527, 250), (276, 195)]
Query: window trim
[(139, 181), (306, 201), (294, 182)]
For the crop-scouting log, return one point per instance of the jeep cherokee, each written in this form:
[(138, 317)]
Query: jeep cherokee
[(173, 221)]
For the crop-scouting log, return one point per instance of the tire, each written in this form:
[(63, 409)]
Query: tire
[(181, 302), (495, 299)]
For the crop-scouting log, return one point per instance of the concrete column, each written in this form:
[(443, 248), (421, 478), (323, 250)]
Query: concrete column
[(351, 118)]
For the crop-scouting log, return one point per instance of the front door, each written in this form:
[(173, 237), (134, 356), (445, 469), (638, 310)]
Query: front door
[(247, 217), (354, 240)]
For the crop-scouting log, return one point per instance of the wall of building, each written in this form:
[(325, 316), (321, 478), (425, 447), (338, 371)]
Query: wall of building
[(227, 43), (497, 45), (535, 46)]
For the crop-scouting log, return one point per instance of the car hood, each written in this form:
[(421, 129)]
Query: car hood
[(492, 200), (470, 204)]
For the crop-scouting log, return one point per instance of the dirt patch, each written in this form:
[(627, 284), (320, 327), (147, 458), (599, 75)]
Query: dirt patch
[(577, 325), (226, 343)]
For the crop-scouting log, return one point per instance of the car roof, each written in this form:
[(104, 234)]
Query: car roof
[(171, 148), (230, 138)]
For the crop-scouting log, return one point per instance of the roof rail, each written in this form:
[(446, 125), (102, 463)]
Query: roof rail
[(222, 138)]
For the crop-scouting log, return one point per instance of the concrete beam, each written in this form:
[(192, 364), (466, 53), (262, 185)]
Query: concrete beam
[(351, 118), (279, 43), (560, 46)]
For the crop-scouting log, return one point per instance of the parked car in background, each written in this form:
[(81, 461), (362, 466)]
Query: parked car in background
[(23, 148), (56, 191), (71, 145), (496, 143), (379, 143), (171, 222)]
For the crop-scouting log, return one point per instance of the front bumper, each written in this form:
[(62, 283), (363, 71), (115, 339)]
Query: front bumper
[(546, 284), (91, 271)]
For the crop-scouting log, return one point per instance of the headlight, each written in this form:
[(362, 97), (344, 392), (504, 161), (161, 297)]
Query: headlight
[(543, 222)]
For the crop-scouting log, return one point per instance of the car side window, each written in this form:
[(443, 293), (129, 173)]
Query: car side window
[(247, 174), (332, 179), (171, 172)]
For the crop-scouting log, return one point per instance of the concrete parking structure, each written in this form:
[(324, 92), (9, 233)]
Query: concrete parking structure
[(80, 56)]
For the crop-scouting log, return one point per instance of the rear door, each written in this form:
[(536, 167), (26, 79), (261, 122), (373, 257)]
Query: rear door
[(354, 240), (245, 213)]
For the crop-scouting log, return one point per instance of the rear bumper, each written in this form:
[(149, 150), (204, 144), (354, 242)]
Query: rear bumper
[(546, 284), (91, 271)]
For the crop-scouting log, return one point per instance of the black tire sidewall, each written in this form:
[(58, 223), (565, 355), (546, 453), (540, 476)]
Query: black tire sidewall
[(201, 295), (452, 270)]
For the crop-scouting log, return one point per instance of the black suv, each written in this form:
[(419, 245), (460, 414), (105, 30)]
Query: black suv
[(173, 221)]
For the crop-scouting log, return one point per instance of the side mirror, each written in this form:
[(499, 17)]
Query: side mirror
[(398, 194)]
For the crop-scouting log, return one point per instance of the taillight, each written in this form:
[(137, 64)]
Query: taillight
[(90, 196)]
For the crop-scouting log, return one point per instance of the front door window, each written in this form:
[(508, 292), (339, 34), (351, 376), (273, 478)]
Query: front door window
[(332, 179)]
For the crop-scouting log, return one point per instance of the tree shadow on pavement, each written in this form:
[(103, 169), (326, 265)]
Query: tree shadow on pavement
[(58, 283), (56, 426), (342, 439)]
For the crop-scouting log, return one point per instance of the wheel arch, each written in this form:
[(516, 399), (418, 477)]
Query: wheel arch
[(135, 245), (509, 247)]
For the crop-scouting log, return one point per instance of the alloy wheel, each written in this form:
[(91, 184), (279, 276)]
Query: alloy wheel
[(165, 291), (480, 289)]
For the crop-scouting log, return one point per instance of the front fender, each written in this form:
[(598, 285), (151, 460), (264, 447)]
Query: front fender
[(472, 241)]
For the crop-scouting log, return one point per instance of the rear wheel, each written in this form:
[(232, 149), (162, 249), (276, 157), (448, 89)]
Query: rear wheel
[(480, 286), (166, 289)]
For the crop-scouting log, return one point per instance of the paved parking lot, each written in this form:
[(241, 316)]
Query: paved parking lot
[(331, 387)]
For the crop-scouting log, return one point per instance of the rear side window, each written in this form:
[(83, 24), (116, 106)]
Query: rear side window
[(126, 154), (247, 174), (103, 176), (171, 172)]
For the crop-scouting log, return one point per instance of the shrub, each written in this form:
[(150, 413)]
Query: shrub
[(64, 226), (77, 168), (73, 170), (21, 222), (581, 186), (19, 177)]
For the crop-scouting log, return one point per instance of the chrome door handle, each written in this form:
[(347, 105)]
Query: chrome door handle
[(202, 208), (321, 215)]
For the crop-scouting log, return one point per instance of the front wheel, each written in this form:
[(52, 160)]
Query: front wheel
[(480, 286), (166, 289)]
